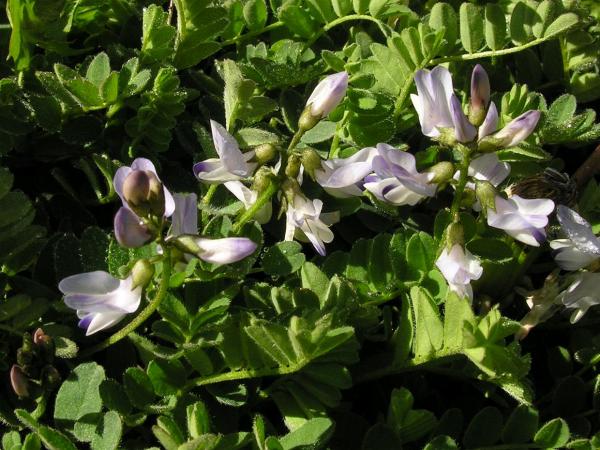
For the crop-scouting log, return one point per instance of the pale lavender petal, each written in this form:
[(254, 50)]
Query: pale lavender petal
[(490, 124), (100, 322), (228, 150), (489, 168), (119, 179), (129, 230), (225, 250), (143, 164), (98, 282), (518, 129), (463, 129), (578, 230), (533, 206), (185, 217), (328, 94)]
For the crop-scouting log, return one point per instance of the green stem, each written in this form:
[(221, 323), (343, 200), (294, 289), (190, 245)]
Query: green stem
[(462, 182), (243, 37), (144, 314), (493, 53), (262, 199), (295, 140), (336, 22), (417, 363), (245, 375)]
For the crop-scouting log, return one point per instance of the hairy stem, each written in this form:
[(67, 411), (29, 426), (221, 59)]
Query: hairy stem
[(245, 375), (144, 314), (251, 34), (382, 27)]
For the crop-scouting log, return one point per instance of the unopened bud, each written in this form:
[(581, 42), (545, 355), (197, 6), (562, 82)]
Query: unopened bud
[(262, 179), (50, 377), (144, 193), (480, 95), (265, 152), (292, 169), (141, 273), (442, 172), (486, 194), (327, 95), (19, 381), (311, 161), (518, 129)]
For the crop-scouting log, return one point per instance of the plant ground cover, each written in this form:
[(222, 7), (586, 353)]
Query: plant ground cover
[(299, 224)]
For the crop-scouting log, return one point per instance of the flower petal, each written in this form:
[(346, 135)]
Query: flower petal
[(185, 217), (129, 230), (225, 250), (578, 230), (228, 150), (94, 283)]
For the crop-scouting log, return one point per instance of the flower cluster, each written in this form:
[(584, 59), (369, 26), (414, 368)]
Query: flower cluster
[(100, 299)]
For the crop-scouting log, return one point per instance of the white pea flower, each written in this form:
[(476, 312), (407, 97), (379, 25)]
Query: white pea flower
[(343, 177), (231, 164), (248, 197), (581, 247), (184, 232), (523, 219), (396, 179), (100, 299), (582, 294), (438, 107), (305, 221), (518, 129), (459, 267), (328, 94)]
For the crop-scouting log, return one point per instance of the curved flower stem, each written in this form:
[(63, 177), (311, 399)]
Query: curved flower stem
[(144, 314), (262, 199), (340, 20)]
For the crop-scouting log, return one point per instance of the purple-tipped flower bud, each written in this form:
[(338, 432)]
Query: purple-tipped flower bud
[(143, 192), (480, 95), (463, 129), (141, 274), (129, 230), (328, 94), (515, 132), (19, 381)]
